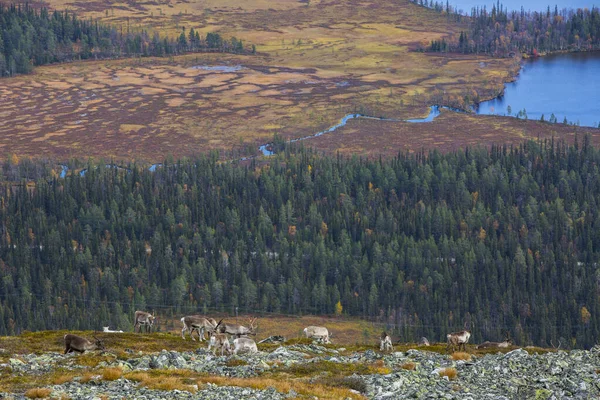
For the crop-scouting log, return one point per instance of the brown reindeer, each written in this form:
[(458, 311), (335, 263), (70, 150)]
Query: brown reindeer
[(143, 318), (80, 344), (219, 340), (236, 330)]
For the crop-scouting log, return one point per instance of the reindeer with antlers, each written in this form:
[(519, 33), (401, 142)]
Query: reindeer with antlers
[(458, 339), (236, 330), (218, 341)]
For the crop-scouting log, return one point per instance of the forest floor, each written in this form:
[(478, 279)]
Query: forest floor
[(316, 62)]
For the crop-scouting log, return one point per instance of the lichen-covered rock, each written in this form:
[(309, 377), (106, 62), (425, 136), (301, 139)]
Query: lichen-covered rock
[(514, 375)]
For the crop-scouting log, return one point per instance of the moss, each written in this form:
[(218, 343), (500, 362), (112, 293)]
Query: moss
[(335, 369), (235, 362)]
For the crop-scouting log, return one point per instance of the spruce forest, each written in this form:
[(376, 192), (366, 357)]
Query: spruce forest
[(31, 37), (504, 238), (501, 33)]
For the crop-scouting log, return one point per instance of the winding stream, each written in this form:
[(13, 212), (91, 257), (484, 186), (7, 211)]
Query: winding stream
[(266, 149)]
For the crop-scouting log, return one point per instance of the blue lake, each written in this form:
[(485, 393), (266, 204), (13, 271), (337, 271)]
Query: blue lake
[(565, 84), (533, 5)]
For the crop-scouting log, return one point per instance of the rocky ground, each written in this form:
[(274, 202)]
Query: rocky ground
[(516, 374)]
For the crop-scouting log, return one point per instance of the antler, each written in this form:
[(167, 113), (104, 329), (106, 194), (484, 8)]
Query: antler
[(216, 326), (559, 344)]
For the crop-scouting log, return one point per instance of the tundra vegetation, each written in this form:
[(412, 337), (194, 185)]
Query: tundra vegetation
[(314, 63), (296, 368), (394, 240)]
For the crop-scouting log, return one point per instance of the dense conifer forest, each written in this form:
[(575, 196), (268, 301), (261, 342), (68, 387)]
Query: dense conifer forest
[(504, 238), (500, 32), (31, 37)]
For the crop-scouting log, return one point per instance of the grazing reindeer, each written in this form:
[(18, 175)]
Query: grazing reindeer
[(423, 341), (199, 324), (143, 318), (317, 332), (458, 339), (237, 330), (244, 344), (218, 340), (80, 344), (106, 329), (385, 344)]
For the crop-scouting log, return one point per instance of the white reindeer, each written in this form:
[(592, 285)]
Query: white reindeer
[(317, 332), (385, 343), (244, 344), (106, 329), (458, 339)]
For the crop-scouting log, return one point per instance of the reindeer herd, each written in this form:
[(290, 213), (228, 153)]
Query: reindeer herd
[(218, 338)]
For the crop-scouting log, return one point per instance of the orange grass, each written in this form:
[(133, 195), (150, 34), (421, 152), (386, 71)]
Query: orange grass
[(459, 355), (409, 366), (284, 386), (38, 393), (451, 373), (112, 374)]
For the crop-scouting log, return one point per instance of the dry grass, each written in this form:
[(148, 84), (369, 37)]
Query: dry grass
[(63, 378), (86, 377), (451, 373), (38, 393), (165, 380), (112, 374), (409, 366), (303, 388), (459, 355)]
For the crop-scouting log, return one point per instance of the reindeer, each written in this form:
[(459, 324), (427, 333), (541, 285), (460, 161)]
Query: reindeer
[(502, 345), (243, 344), (237, 330), (106, 329), (385, 344), (143, 318), (458, 339), (80, 344), (317, 332), (199, 324), (423, 341), (506, 343), (218, 340)]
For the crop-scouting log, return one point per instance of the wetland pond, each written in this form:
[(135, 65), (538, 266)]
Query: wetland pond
[(566, 85)]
